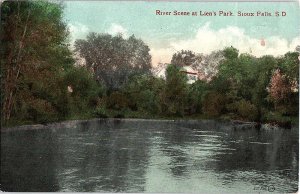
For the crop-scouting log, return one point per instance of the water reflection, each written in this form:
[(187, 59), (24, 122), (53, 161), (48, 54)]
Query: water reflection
[(149, 157), (28, 164), (112, 160)]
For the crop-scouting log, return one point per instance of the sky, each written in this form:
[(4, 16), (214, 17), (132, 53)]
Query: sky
[(166, 35)]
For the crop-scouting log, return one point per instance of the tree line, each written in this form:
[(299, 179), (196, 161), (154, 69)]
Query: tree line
[(41, 83)]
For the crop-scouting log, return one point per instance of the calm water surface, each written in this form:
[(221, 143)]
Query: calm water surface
[(137, 156)]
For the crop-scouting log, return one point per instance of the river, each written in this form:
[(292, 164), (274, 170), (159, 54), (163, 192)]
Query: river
[(150, 156)]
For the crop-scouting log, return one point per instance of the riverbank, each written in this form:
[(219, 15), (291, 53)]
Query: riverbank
[(272, 121), (80, 123), (235, 124)]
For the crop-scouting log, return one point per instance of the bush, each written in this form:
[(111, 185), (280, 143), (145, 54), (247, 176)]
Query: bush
[(41, 111), (244, 109), (142, 92), (247, 110), (213, 104), (195, 94), (101, 112), (175, 95), (85, 91), (117, 101), (276, 118), (148, 101)]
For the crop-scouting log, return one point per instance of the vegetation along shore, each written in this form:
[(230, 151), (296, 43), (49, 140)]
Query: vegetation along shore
[(46, 79)]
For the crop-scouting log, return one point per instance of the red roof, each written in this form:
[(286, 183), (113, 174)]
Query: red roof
[(189, 72)]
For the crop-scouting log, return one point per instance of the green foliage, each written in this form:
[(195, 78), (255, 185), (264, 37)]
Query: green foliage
[(143, 92), (117, 101), (174, 95), (265, 67), (183, 58), (230, 53), (277, 118), (195, 95), (245, 77), (101, 112), (33, 52), (244, 109), (41, 84), (85, 91), (113, 58), (236, 74), (213, 104), (289, 65)]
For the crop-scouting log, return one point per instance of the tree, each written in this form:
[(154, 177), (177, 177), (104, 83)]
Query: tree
[(213, 103), (208, 63), (229, 78), (281, 93), (174, 96), (244, 78), (183, 58), (84, 91), (289, 69), (279, 87), (114, 58), (289, 65), (231, 53), (34, 52), (196, 92), (143, 92), (263, 72)]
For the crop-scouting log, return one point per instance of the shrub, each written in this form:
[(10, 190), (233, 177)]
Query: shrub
[(100, 112), (117, 101), (247, 110), (195, 94), (174, 95), (213, 104), (84, 90), (42, 111), (142, 92), (244, 109)]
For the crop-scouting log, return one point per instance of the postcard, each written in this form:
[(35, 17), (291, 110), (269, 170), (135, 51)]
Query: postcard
[(150, 96)]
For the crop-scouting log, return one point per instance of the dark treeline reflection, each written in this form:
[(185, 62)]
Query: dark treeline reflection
[(28, 161), (260, 150), (109, 159), (273, 154), (118, 156)]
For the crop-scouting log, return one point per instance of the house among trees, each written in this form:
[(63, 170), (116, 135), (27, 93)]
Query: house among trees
[(192, 74)]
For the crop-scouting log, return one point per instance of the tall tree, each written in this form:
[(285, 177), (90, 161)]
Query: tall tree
[(183, 58), (114, 58), (280, 88), (34, 52), (174, 96)]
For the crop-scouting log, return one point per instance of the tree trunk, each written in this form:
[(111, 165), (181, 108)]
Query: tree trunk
[(13, 72)]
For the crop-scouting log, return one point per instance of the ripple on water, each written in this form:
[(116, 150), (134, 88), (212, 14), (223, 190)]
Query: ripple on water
[(166, 159), (260, 143), (214, 136)]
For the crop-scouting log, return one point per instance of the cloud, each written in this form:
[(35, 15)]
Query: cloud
[(162, 55), (207, 40), (77, 30), (117, 29)]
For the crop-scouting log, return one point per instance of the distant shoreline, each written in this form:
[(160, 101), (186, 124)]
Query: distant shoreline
[(235, 124)]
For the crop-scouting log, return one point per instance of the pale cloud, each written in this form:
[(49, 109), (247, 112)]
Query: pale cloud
[(77, 30), (162, 55), (207, 40), (117, 29)]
